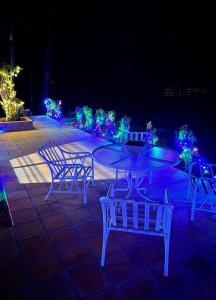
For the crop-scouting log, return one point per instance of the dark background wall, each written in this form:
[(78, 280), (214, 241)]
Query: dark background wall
[(117, 57)]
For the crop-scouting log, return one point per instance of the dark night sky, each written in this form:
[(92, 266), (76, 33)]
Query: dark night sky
[(112, 56)]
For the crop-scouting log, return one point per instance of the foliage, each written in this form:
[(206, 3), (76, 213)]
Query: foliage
[(185, 142), (89, 119), (11, 105), (79, 116), (54, 109), (123, 128), (110, 123), (100, 121), (151, 136)]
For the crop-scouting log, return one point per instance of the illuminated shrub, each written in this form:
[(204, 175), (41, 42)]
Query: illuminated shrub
[(10, 104), (79, 116), (100, 121), (123, 128), (151, 136), (110, 123), (185, 143), (89, 119), (54, 109)]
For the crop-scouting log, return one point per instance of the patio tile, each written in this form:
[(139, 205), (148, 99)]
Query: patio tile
[(8, 256), (190, 231), (64, 237), (40, 200), (42, 267), (55, 221), (19, 204), (5, 244), (7, 234), (48, 209), (13, 187), (95, 243), (127, 239), (79, 215), (119, 266), (24, 215), (55, 288), (76, 254), (149, 251), (10, 294), (198, 293), (34, 246), (29, 229), (107, 294), (66, 196), (139, 288), (14, 277), (15, 195), (180, 279), (40, 190), (89, 279), (70, 203), (90, 229)]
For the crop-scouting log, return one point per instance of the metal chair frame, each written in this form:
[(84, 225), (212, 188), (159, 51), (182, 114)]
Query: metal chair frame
[(139, 217), (67, 168), (202, 187)]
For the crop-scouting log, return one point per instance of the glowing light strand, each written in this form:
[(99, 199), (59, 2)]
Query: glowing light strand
[(10, 104), (54, 109)]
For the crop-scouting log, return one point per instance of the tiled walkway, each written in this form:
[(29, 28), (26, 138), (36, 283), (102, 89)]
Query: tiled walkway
[(53, 249)]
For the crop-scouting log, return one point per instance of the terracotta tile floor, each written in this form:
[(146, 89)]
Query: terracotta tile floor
[(53, 249)]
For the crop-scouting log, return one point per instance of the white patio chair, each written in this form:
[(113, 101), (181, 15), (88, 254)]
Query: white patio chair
[(139, 217), (202, 187), (135, 136), (67, 168), (138, 136)]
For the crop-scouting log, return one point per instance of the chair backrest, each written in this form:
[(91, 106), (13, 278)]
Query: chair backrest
[(54, 157), (136, 216), (202, 179), (138, 136)]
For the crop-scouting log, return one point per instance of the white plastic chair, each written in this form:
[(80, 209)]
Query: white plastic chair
[(136, 136), (140, 217), (202, 187), (67, 168)]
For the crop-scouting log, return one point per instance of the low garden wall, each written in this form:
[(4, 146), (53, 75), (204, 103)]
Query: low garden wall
[(24, 124)]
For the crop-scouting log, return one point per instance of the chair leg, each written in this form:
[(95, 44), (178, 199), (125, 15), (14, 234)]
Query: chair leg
[(93, 181), (150, 177), (193, 200), (192, 211), (50, 191), (166, 258), (116, 175), (105, 240), (85, 190)]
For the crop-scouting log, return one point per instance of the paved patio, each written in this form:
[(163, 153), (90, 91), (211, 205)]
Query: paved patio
[(53, 249)]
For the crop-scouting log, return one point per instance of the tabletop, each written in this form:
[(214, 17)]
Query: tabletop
[(136, 158)]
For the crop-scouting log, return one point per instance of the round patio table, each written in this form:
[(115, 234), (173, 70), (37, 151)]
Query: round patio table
[(136, 162)]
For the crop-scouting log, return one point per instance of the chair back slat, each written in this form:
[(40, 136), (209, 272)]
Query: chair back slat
[(159, 218), (54, 157), (135, 215), (124, 213), (112, 213), (139, 216), (146, 221)]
